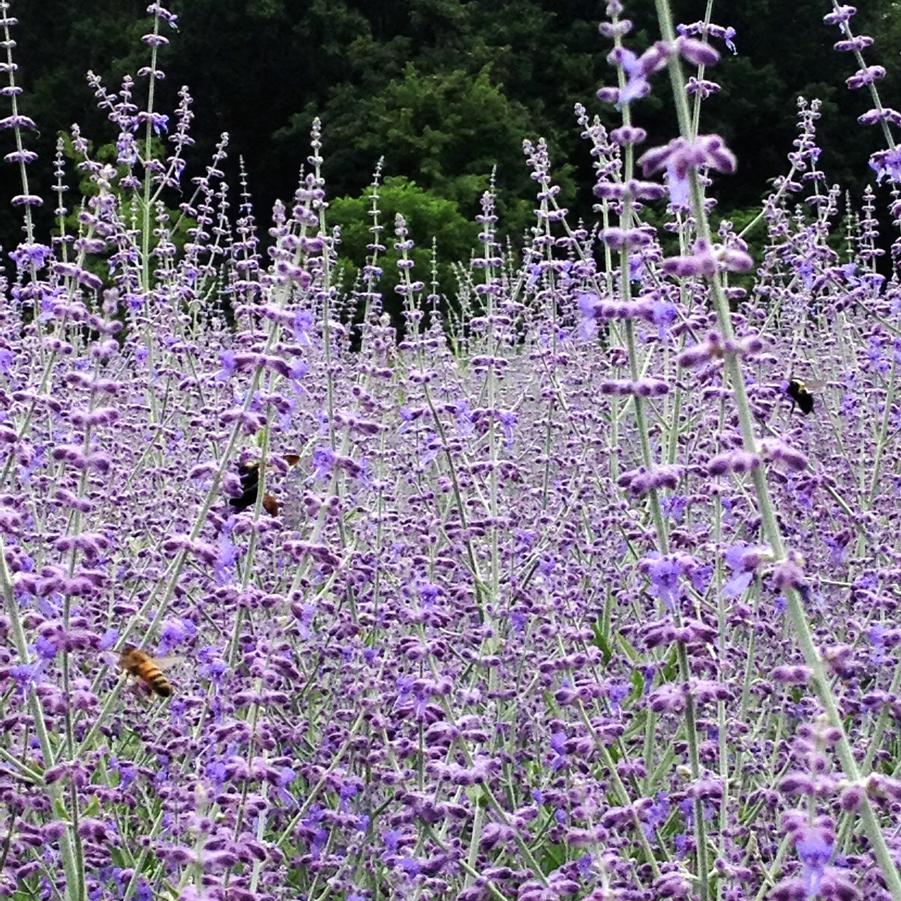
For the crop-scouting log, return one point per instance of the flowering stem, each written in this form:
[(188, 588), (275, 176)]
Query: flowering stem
[(68, 843), (146, 205), (696, 111), (871, 86), (473, 854), (479, 583), (883, 432), (622, 793), (765, 506), (468, 868), (139, 864), (691, 735), (768, 879), (314, 792)]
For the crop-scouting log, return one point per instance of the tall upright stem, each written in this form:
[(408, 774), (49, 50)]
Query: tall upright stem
[(764, 502)]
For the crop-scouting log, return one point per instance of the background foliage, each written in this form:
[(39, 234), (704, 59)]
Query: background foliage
[(444, 89)]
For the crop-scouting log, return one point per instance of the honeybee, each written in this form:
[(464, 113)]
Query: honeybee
[(249, 474), (799, 392), (142, 666)]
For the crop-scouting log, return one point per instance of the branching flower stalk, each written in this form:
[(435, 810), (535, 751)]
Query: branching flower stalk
[(691, 734), (470, 656), (769, 524), (72, 862)]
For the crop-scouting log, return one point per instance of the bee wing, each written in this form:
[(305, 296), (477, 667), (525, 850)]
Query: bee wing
[(815, 384), (171, 661)]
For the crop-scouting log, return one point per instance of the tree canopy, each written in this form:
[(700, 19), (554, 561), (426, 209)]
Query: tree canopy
[(444, 90)]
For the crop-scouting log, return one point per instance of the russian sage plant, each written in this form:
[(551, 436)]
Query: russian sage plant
[(563, 596)]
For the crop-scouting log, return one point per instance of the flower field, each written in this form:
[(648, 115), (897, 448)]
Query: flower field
[(581, 583)]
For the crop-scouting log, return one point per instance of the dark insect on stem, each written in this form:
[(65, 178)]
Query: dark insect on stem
[(249, 474), (800, 395)]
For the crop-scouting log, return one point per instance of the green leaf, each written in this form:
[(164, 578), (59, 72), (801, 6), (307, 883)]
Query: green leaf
[(602, 641), (628, 649)]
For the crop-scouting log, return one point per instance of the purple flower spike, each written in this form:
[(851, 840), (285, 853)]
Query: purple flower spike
[(697, 52), (840, 15)]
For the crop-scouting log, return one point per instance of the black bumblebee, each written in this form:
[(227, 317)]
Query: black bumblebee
[(249, 474), (799, 392)]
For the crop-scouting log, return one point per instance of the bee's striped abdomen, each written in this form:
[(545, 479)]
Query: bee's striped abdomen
[(158, 682), (140, 665)]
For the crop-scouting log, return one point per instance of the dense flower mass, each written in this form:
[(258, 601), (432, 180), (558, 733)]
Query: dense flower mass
[(549, 591)]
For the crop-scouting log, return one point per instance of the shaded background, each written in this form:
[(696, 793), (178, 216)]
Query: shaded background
[(444, 89)]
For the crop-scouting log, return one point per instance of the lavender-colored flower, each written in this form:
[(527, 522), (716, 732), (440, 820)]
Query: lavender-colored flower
[(814, 847), (501, 632), (227, 358), (680, 156), (226, 558), (744, 562), (664, 574)]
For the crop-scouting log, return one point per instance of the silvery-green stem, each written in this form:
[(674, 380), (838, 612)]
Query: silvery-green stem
[(72, 864), (770, 525), (691, 735)]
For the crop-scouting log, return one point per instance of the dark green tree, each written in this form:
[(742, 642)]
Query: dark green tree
[(445, 89), (427, 215)]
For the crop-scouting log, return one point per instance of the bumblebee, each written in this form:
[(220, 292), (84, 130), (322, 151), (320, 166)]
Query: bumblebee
[(249, 474), (799, 392), (143, 667)]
